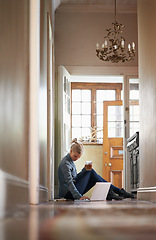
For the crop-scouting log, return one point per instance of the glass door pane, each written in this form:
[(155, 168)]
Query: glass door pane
[(133, 106), (115, 121), (102, 95)]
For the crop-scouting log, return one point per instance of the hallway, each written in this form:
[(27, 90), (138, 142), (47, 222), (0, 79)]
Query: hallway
[(58, 220), (37, 38)]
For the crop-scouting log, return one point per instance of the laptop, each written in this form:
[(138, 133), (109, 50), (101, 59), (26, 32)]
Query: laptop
[(100, 191)]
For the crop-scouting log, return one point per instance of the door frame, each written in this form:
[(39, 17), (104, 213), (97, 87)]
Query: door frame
[(126, 161), (50, 105), (34, 79), (128, 72)]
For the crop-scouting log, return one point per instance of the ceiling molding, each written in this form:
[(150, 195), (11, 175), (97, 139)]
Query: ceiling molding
[(96, 8), (103, 70)]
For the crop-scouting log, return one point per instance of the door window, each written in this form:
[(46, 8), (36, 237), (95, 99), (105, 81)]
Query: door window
[(133, 106), (115, 121)]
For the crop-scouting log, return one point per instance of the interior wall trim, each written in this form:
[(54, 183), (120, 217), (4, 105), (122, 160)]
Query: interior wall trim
[(43, 194), (13, 179), (147, 194), (14, 192), (102, 70)]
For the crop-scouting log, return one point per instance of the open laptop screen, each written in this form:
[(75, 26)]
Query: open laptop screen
[(100, 191)]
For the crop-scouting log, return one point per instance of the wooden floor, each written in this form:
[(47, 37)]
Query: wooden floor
[(107, 220)]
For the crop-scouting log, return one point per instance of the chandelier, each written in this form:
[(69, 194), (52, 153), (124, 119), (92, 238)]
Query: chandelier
[(113, 48)]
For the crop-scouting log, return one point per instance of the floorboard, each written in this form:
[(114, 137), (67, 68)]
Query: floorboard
[(75, 220)]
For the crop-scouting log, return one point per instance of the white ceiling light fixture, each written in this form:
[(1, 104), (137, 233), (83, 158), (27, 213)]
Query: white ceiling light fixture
[(113, 48)]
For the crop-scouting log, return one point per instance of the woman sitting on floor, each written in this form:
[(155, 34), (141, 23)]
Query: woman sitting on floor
[(74, 186)]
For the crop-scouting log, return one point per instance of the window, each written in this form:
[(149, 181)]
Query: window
[(81, 113), (87, 109)]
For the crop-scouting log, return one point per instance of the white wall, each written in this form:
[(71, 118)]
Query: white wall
[(76, 35), (14, 102), (147, 72)]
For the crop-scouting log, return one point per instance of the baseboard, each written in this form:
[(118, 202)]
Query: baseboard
[(56, 191), (14, 192), (147, 194), (43, 194)]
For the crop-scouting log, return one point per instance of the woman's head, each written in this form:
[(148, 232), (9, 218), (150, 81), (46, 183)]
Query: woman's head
[(76, 149)]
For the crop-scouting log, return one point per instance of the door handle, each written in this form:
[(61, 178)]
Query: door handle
[(109, 164)]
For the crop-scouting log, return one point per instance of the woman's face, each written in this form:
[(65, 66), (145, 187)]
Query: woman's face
[(74, 155)]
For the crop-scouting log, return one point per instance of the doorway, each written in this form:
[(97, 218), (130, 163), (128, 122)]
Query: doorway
[(93, 142), (88, 121)]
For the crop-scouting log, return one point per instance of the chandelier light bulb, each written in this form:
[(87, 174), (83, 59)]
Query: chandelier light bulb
[(97, 46), (133, 45), (105, 44), (122, 43)]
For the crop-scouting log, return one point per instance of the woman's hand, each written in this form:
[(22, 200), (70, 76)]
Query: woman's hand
[(84, 198), (88, 167)]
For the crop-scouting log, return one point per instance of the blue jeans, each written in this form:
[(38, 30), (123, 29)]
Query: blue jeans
[(85, 180)]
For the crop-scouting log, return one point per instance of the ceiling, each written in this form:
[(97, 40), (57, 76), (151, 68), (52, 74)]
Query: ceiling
[(99, 5), (99, 2)]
